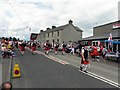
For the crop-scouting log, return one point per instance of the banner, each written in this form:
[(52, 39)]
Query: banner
[(33, 36), (116, 25)]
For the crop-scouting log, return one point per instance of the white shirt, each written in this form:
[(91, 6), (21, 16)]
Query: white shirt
[(82, 50), (117, 54), (10, 42), (3, 48)]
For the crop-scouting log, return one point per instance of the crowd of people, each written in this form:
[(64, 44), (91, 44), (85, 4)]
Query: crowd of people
[(75, 48), (8, 45), (94, 52)]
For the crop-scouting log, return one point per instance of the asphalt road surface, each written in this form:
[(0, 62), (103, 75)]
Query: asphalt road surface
[(38, 71), (107, 69), (0, 72)]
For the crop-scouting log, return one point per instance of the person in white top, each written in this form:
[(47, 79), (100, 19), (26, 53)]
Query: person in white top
[(72, 49), (117, 56), (104, 51), (4, 50)]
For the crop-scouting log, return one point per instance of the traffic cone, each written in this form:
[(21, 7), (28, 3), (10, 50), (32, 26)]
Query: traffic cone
[(16, 71)]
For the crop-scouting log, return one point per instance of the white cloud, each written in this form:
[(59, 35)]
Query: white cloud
[(40, 14)]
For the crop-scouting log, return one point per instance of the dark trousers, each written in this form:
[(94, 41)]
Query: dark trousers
[(118, 59)]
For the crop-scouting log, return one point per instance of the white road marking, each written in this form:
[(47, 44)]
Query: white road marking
[(53, 58), (61, 61), (9, 72), (102, 79), (89, 73)]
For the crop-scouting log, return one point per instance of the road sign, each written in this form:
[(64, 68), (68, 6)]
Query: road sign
[(16, 71)]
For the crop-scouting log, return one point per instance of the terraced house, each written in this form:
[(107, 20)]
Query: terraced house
[(65, 33)]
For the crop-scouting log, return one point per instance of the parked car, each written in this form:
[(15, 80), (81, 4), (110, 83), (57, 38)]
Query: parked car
[(111, 56)]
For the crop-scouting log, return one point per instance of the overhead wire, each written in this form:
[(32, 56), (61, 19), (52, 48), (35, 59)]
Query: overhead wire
[(15, 11), (18, 14)]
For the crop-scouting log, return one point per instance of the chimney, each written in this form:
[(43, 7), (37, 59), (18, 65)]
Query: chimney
[(41, 30), (48, 28), (53, 27), (70, 21)]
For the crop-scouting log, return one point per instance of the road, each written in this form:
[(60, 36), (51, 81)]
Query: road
[(0, 72), (107, 69), (39, 71), (4, 70)]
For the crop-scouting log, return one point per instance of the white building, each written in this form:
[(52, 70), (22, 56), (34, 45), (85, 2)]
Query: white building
[(65, 33), (119, 10)]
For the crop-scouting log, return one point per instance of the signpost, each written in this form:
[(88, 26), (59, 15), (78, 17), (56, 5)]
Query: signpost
[(33, 36)]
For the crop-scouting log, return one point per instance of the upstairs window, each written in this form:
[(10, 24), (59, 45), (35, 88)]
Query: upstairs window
[(58, 33), (44, 35), (48, 35), (52, 34)]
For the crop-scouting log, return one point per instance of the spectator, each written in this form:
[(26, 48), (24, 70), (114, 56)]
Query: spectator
[(104, 51), (6, 86), (117, 56), (72, 49)]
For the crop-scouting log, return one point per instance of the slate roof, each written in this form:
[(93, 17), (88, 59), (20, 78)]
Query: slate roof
[(60, 28)]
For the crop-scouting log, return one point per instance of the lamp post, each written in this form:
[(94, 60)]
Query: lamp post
[(29, 32)]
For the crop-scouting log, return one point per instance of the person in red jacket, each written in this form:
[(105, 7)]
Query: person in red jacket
[(96, 53), (92, 53)]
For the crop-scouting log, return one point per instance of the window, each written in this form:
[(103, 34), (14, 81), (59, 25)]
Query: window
[(58, 33), (85, 43), (48, 34), (52, 34), (44, 35), (95, 43), (58, 40)]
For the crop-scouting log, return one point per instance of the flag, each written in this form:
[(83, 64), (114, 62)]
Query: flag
[(110, 39)]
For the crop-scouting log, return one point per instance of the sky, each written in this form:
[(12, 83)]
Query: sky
[(17, 16)]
